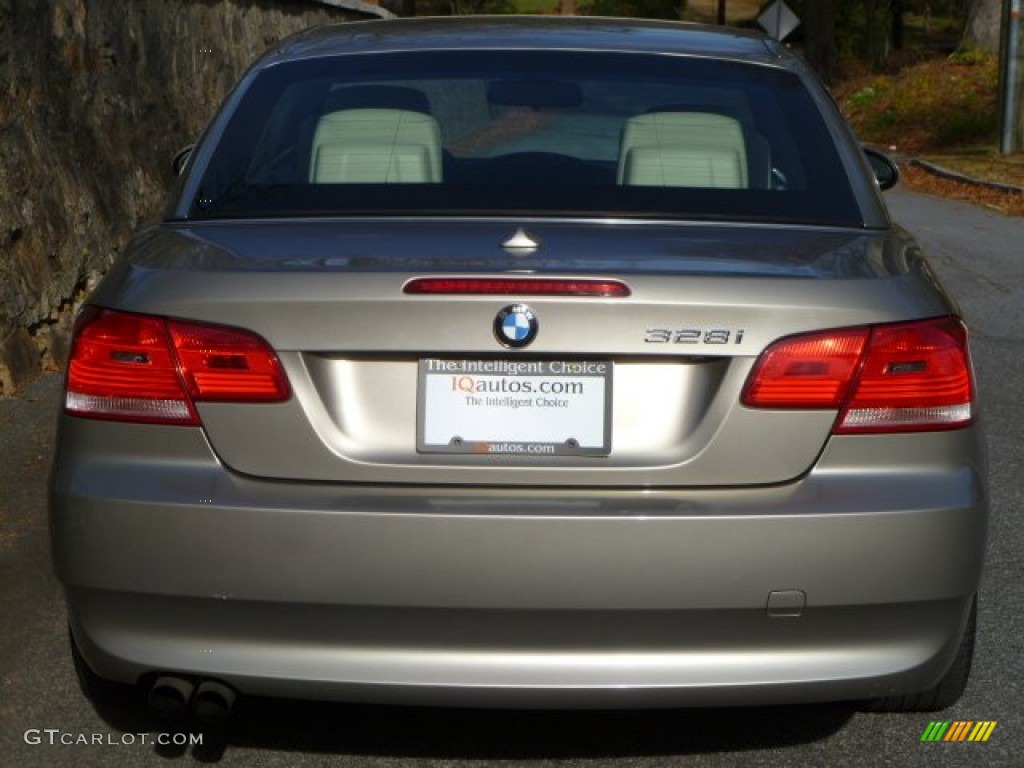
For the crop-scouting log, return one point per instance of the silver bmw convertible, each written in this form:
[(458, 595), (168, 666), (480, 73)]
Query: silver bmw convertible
[(525, 362)]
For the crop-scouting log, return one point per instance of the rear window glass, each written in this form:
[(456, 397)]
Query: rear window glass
[(527, 132)]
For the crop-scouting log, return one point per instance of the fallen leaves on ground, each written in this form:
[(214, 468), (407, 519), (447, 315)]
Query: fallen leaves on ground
[(1008, 203)]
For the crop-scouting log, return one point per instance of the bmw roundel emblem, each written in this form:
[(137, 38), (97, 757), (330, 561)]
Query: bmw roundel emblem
[(516, 326)]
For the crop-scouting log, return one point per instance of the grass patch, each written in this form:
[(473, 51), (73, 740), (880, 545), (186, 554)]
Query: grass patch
[(982, 163)]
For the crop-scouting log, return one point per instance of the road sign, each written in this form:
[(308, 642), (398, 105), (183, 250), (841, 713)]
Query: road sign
[(778, 20)]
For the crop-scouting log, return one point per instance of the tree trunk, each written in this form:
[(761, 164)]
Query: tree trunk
[(874, 55), (898, 26), (820, 33), (984, 22), (568, 7)]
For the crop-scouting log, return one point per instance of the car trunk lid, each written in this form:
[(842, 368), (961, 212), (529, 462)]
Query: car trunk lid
[(669, 360)]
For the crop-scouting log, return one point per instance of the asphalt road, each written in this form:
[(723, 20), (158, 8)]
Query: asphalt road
[(980, 256)]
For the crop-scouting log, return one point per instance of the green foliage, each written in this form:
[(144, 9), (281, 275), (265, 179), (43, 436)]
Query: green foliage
[(862, 98), (969, 55), (535, 6), (935, 105)]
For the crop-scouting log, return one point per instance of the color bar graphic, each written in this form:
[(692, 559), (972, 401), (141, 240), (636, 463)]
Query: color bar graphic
[(935, 731), (958, 730), (982, 730)]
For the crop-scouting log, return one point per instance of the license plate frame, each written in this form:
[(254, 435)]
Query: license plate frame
[(502, 407)]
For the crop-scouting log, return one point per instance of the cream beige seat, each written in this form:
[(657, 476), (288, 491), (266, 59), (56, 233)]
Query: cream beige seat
[(375, 146), (683, 149)]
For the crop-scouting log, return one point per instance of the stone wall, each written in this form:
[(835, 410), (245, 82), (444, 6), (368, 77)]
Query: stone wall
[(95, 98)]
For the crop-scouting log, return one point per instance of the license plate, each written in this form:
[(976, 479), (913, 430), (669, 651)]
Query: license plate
[(518, 407)]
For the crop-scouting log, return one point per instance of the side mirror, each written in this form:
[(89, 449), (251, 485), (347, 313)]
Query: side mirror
[(887, 173), (181, 158)]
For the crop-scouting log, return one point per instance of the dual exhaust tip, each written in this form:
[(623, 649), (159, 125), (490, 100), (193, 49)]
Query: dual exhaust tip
[(172, 697)]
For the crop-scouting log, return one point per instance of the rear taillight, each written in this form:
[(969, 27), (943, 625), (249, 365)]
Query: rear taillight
[(914, 376), (134, 367), (905, 377)]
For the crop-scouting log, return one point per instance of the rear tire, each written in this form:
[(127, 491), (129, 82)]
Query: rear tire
[(949, 689)]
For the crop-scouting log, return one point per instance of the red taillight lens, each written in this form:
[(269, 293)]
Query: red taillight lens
[(141, 368), (227, 364), (505, 286), (893, 378), (811, 371)]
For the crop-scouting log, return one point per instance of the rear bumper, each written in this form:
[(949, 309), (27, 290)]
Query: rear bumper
[(587, 659), (519, 597)]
